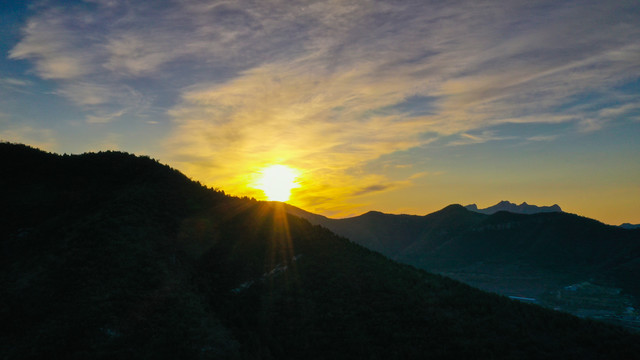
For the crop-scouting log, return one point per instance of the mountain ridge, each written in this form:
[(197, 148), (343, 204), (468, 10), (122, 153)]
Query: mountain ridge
[(523, 208), (521, 255), (109, 255)]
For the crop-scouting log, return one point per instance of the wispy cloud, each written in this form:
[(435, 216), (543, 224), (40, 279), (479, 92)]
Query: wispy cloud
[(313, 120), (104, 102), (84, 94), (483, 137), (10, 85), (13, 82), (373, 188), (322, 109), (103, 117), (614, 111), (55, 48), (328, 86), (542, 138)]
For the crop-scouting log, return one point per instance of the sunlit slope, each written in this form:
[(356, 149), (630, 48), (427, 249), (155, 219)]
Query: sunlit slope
[(114, 256)]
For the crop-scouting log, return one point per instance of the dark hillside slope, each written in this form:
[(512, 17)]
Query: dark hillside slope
[(565, 247), (558, 241), (110, 255), (391, 234)]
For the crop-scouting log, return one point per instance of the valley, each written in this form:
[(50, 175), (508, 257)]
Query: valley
[(586, 300)]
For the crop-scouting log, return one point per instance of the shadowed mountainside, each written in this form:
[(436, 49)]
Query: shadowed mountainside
[(512, 254), (109, 255)]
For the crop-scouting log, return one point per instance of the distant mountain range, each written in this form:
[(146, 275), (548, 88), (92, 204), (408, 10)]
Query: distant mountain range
[(113, 256), (523, 208), (525, 256)]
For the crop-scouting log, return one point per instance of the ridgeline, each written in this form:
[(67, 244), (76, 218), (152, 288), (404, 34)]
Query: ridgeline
[(109, 255)]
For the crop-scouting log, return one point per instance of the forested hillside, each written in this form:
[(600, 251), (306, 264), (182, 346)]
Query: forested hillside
[(454, 238), (109, 255)]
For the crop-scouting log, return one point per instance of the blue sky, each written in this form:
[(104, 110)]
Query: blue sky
[(399, 106)]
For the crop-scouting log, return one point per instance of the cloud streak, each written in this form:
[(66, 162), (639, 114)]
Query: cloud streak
[(329, 86)]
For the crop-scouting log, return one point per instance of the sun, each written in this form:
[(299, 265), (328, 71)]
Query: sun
[(277, 181)]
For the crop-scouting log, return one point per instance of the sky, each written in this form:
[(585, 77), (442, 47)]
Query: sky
[(396, 106)]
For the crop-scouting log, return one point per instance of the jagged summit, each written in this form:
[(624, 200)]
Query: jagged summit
[(523, 208)]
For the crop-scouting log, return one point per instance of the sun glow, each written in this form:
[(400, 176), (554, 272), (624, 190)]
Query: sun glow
[(277, 181)]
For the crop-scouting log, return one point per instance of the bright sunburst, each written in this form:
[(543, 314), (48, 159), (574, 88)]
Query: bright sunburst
[(277, 181)]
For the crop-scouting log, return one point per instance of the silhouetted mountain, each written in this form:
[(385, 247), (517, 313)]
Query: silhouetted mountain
[(109, 255), (523, 208), (630, 226), (512, 254)]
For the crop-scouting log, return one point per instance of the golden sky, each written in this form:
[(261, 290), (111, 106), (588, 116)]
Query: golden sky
[(402, 107)]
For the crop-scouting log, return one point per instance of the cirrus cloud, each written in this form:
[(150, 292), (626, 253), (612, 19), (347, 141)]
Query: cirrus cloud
[(329, 86)]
